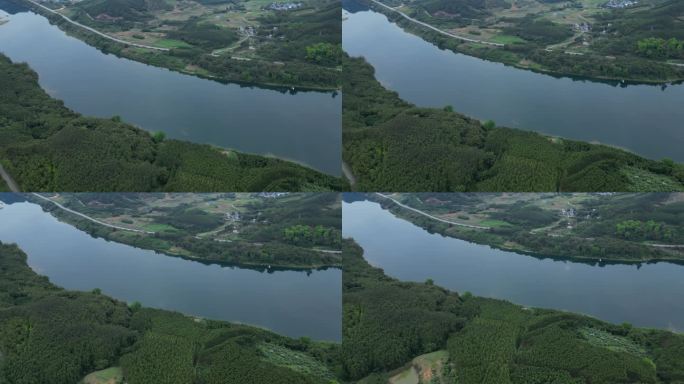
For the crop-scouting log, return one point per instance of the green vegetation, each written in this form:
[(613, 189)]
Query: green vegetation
[(308, 235), (618, 228), (390, 144), (240, 41), (294, 231), (47, 147), (583, 38), (296, 361), (50, 335), (388, 322)]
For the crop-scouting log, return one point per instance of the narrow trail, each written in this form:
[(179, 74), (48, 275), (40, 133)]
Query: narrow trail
[(13, 186), (327, 251), (348, 174), (95, 31), (666, 245), (409, 18), (432, 217), (90, 218)]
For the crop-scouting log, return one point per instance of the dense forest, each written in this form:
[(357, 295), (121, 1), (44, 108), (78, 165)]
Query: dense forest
[(49, 335), (619, 228), (47, 147), (387, 323), (300, 231), (282, 54), (639, 43), (390, 144)]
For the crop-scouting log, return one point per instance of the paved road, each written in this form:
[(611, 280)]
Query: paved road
[(93, 30), (8, 180), (407, 17), (90, 218), (432, 217)]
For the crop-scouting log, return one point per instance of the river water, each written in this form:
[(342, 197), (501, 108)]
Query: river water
[(645, 296), (292, 303), (645, 119), (303, 127)]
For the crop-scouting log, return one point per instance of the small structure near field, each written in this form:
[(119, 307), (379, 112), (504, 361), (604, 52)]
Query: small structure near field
[(284, 6)]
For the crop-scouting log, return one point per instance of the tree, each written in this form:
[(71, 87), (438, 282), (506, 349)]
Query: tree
[(158, 137)]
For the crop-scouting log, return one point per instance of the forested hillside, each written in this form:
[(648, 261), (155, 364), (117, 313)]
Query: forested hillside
[(388, 323), (620, 228), (52, 336), (47, 147), (392, 145)]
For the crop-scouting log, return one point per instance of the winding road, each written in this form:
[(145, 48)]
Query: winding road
[(407, 17), (90, 218), (432, 217), (95, 31)]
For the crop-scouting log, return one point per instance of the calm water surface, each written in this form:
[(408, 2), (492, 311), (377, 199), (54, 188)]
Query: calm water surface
[(292, 303), (304, 127), (648, 120), (648, 296)]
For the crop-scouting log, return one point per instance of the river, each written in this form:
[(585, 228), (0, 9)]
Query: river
[(292, 303), (644, 119), (649, 295), (302, 127)]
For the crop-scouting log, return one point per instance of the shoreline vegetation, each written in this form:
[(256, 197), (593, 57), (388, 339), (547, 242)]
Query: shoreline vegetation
[(390, 144), (48, 147), (195, 54), (587, 228), (52, 335), (204, 236), (536, 41), (396, 329)]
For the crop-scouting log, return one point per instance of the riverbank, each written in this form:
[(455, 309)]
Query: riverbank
[(96, 154), (595, 251), (477, 336), (93, 332), (557, 63), (392, 145), (274, 75), (267, 256)]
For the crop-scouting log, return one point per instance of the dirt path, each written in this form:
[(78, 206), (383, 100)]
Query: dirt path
[(432, 217), (666, 245), (95, 31), (348, 174), (13, 186)]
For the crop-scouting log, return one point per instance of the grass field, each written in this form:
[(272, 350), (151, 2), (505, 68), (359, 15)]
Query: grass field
[(294, 360), (614, 343), (644, 181), (171, 43), (494, 223), (156, 227), (113, 375), (507, 39)]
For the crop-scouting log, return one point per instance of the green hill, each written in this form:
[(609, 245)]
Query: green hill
[(387, 323), (393, 145), (50, 335), (47, 147)]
